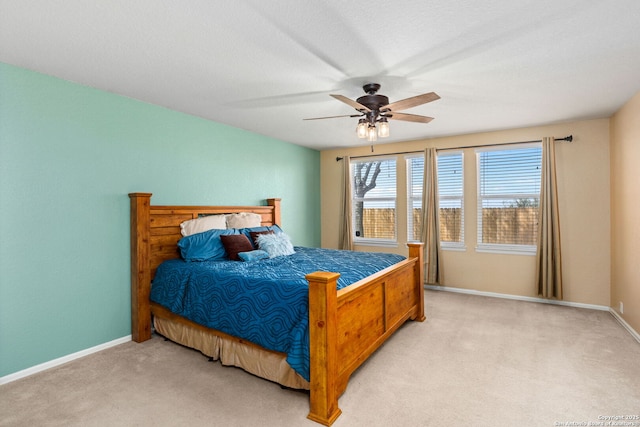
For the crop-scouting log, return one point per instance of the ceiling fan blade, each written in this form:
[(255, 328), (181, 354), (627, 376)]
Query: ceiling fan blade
[(409, 117), (333, 117), (411, 102), (351, 102)]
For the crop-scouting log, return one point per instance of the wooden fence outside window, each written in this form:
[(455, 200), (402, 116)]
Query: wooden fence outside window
[(512, 225)]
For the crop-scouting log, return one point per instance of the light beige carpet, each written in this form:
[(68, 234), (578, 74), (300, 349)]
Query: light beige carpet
[(476, 361)]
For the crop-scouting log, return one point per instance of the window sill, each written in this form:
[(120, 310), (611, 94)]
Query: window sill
[(453, 248), (448, 246), (378, 243), (507, 249)]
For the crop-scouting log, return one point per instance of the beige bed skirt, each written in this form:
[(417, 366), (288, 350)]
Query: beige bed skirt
[(260, 362)]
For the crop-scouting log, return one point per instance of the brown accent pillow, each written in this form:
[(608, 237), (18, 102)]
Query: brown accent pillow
[(255, 234), (234, 243)]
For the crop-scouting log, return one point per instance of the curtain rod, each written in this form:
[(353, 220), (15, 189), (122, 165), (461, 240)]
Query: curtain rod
[(566, 138)]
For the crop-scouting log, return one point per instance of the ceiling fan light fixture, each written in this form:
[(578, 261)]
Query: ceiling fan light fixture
[(361, 129), (372, 134), (383, 128)]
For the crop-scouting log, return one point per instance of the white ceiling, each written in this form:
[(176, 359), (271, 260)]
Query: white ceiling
[(265, 65)]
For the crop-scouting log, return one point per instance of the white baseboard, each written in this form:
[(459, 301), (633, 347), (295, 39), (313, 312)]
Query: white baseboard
[(615, 314), (518, 297), (62, 360), (627, 326)]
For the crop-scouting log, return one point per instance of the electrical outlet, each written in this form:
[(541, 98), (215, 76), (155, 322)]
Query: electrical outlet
[(621, 308)]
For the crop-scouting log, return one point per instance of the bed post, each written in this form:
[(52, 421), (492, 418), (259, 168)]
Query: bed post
[(140, 273), (323, 331), (416, 250), (276, 210)]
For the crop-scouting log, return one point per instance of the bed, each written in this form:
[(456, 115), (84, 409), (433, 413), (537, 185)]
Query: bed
[(345, 326)]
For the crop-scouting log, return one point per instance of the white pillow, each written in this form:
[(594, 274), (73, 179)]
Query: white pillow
[(275, 244), (205, 223), (244, 220)]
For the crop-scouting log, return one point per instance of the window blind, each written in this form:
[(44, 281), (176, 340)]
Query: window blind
[(374, 198), (509, 195), (415, 174), (450, 191)]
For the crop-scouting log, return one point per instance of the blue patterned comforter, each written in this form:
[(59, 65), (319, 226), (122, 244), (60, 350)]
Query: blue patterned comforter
[(265, 302)]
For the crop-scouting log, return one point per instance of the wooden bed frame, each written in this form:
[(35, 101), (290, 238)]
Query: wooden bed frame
[(345, 326)]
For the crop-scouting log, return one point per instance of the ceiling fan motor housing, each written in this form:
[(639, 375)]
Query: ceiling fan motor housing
[(373, 102)]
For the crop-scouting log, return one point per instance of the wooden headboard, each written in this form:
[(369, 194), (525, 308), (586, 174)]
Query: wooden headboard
[(155, 231)]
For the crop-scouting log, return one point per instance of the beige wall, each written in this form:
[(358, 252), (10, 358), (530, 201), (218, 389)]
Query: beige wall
[(584, 189), (625, 211)]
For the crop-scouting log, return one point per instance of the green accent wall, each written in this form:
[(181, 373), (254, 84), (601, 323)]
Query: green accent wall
[(69, 155)]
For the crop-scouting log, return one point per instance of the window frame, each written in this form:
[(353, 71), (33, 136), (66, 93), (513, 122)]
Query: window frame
[(455, 246), (500, 248), (372, 241), (410, 197), (445, 245)]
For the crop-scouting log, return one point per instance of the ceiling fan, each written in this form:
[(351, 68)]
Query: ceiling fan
[(374, 108)]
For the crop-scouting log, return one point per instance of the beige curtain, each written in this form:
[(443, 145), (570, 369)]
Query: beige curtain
[(548, 259), (430, 236), (346, 234)]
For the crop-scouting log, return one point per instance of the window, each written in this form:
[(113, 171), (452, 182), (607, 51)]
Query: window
[(373, 189), (508, 198), (415, 172), (450, 189)]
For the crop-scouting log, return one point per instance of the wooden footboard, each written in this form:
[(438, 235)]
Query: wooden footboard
[(345, 326)]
